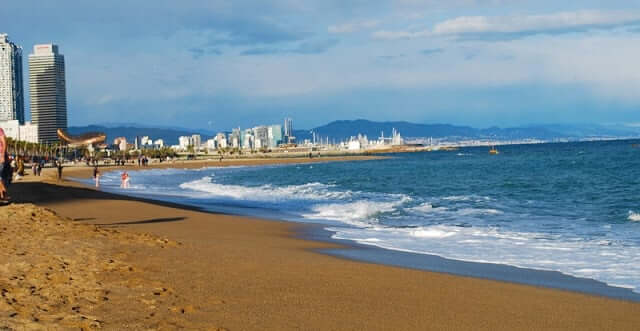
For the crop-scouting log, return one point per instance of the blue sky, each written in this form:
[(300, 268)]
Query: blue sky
[(222, 64)]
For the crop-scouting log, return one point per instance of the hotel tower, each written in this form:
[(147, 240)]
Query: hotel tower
[(11, 88), (48, 91)]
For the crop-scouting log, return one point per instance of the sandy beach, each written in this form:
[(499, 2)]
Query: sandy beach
[(74, 257)]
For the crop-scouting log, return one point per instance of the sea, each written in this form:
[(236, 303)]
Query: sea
[(571, 208)]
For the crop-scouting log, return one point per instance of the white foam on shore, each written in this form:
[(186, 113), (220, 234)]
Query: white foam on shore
[(360, 213), (310, 191), (615, 263), (432, 233)]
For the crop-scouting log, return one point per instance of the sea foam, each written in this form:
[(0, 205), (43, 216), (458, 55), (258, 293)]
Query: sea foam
[(634, 217), (310, 191)]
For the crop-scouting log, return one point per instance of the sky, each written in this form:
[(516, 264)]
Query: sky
[(235, 63)]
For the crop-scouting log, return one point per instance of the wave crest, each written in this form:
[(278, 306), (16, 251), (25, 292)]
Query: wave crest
[(310, 191)]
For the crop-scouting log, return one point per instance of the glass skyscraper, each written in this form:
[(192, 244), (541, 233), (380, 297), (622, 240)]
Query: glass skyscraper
[(48, 91), (11, 85)]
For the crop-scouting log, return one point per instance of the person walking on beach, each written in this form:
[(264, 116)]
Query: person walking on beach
[(20, 167), (4, 164), (14, 166), (96, 175), (39, 167), (59, 166)]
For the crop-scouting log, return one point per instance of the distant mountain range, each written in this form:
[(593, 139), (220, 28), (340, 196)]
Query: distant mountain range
[(342, 130)]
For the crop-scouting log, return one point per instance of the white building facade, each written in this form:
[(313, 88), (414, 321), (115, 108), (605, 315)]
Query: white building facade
[(184, 142), (121, 142), (26, 132), (196, 141)]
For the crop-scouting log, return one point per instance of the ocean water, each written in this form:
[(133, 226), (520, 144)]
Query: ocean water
[(570, 207)]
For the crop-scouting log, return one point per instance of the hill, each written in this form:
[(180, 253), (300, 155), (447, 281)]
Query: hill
[(342, 130)]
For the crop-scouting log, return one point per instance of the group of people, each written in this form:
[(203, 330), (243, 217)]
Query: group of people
[(9, 167), (36, 167), (18, 167), (143, 161)]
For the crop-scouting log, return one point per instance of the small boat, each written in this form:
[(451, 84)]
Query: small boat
[(493, 151)]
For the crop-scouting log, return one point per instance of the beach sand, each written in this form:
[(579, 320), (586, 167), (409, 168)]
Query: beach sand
[(176, 267)]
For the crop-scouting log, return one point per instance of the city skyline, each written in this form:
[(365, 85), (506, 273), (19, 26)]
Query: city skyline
[(478, 63)]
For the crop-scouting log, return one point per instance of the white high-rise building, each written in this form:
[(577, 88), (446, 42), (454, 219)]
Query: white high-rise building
[(48, 91), (11, 86), (261, 137), (185, 142), (196, 141), (221, 140)]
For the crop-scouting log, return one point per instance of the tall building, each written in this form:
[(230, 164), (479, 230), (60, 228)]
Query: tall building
[(48, 91), (11, 86), (288, 128), (275, 135), (261, 137), (235, 139), (196, 141)]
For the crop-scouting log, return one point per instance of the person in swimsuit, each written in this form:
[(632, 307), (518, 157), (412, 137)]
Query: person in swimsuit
[(96, 175), (124, 180)]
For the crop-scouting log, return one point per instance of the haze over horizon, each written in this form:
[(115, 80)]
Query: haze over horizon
[(223, 64)]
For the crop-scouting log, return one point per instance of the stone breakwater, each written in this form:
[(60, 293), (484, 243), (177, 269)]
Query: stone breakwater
[(60, 273)]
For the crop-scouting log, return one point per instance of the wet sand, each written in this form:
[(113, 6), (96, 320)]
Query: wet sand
[(176, 267)]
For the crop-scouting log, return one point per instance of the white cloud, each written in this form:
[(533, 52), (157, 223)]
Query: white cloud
[(521, 24), (392, 35), (352, 26)]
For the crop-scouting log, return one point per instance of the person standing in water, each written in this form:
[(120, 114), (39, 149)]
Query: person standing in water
[(96, 175), (124, 180)]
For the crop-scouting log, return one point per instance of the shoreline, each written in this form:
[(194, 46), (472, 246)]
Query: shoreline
[(246, 273), (549, 279), (355, 251), (352, 250)]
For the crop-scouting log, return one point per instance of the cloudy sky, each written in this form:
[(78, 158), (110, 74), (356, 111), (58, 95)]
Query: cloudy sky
[(221, 64)]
